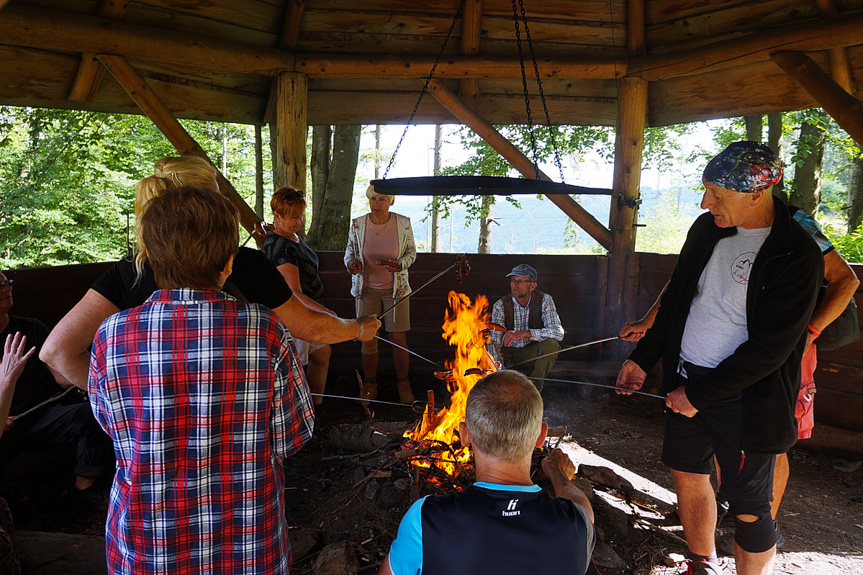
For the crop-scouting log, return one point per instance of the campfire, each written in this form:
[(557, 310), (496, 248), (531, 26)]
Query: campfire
[(433, 446)]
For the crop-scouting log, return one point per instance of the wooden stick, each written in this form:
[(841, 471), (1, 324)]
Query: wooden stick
[(430, 408)]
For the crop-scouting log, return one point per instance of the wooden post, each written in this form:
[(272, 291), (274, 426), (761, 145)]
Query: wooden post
[(136, 86), (449, 100), (621, 293), (288, 129), (842, 106)]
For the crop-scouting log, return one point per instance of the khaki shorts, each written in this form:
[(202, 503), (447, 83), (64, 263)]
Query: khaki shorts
[(374, 301), (306, 348)]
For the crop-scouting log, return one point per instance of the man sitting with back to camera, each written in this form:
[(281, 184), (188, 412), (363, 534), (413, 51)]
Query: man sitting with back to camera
[(532, 325), (503, 523)]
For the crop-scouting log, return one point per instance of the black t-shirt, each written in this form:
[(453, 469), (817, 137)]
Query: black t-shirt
[(35, 384), (280, 250), (254, 279)]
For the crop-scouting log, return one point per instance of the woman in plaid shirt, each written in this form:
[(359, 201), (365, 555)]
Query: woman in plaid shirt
[(203, 397)]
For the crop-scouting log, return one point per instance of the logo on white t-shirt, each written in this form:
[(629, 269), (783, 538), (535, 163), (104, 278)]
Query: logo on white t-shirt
[(742, 266)]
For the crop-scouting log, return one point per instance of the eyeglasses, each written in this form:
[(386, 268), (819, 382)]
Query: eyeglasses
[(9, 283), (519, 282)]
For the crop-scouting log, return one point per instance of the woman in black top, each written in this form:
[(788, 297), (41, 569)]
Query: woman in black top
[(129, 283), (298, 264)]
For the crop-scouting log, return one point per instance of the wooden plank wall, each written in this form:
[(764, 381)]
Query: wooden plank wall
[(575, 282), (839, 378)]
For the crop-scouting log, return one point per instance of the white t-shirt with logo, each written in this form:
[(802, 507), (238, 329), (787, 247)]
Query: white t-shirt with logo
[(716, 324)]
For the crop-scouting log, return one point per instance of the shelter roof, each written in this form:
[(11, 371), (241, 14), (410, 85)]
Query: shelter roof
[(215, 59)]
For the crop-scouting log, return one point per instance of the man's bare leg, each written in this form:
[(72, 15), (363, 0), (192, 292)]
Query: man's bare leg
[(753, 563), (696, 504), (781, 471)]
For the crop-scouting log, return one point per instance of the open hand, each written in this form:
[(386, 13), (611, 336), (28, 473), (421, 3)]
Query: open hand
[(14, 357)]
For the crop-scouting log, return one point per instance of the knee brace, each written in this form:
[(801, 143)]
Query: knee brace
[(756, 536), (369, 347)]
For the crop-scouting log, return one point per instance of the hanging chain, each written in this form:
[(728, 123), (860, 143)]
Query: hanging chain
[(524, 86), (541, 92), (425, 88)]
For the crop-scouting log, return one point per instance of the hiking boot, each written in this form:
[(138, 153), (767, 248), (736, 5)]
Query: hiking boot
[(703, 567), (406, 395), (370, 391)]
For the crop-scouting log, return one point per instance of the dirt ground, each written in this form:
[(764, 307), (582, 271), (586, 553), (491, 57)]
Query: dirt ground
[(337, 496)]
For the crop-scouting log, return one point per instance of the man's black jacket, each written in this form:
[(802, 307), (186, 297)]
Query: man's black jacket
[(765, 369)]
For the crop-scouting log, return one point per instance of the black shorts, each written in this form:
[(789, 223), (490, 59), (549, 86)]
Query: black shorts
[(691, 444)]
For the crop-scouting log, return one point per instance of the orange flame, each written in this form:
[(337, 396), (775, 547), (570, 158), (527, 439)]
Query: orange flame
[(461, 328)]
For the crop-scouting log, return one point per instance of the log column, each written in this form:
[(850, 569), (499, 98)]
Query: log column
[(622, 278), (288, 129)]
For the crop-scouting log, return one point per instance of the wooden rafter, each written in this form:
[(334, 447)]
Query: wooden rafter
[(471, 32), (293, 24), (88, 80), (842, 106), (136, 86), (450, 100), (840, 68), (32, 27), (808, 36)]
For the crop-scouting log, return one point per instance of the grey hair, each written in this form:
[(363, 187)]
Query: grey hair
[(504, 416)]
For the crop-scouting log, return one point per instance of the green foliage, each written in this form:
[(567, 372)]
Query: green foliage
[(849, 245), (67, 179)]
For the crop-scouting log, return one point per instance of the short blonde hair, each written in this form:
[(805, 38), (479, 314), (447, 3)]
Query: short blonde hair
[(504, 416), (370, 192), (190, 234), (170, 173), (288, 202)]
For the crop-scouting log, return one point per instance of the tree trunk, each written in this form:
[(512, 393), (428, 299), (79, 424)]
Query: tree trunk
[(259, 173), (855, 195), (435, 215), (807, 177), (754, 127), (319, 165), (335, 212), (484, 244), (774, 141), (377, 151)]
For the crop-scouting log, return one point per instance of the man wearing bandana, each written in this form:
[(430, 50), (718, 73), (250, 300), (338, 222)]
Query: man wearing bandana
[(731, 331)]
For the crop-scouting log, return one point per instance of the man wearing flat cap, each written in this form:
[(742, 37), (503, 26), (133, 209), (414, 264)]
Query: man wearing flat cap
[(532, 325), (730, 330)]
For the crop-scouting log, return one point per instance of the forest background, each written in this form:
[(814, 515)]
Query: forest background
[(67, 181)]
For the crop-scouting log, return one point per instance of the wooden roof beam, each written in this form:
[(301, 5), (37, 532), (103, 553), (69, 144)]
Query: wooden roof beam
[(45, 29), (840, 68), (450, 100), (842, 106), (88, 80), (808, 36), (471, 33), (136, 86), (293, 23)]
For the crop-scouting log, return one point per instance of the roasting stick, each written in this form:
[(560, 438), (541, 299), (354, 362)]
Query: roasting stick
[(413, 353), (56, 397), (417, 406), (563, 350), (405, 297), (601, 385)]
